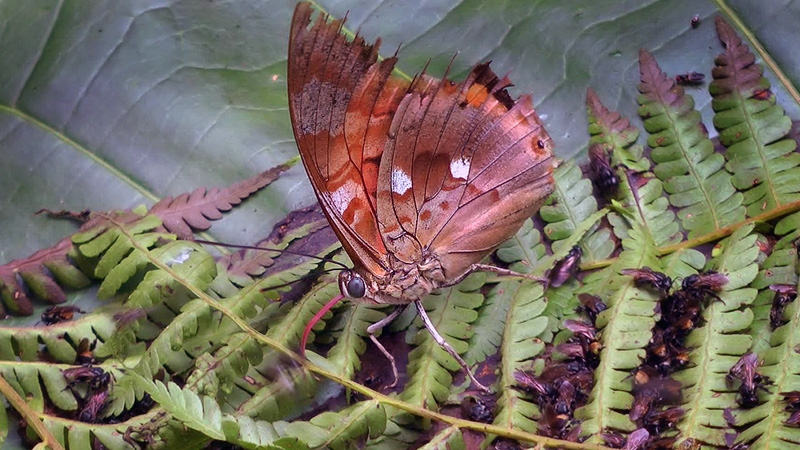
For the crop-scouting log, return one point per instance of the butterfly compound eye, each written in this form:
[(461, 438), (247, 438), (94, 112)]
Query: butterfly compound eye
[(356, 287), (351, 284)]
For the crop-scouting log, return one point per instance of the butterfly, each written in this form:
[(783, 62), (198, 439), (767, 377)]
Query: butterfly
[(420, 179)]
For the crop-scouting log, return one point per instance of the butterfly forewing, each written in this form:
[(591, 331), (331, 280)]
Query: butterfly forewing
[(412, 173), (339, 93)]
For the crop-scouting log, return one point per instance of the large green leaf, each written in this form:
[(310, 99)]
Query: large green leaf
[(112, 104)]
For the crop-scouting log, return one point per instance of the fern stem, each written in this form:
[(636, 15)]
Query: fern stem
[(709, 237), (762, 52), (384, 399), (30, 416)]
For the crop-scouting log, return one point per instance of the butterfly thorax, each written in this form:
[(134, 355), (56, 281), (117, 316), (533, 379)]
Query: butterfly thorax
[(406, 282)]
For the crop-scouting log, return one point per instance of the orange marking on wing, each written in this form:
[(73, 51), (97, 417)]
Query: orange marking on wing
[(472, 191), (476, 95)]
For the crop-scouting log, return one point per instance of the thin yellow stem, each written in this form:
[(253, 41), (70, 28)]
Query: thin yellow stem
[(350, 384), (709, 237), (30, 416)]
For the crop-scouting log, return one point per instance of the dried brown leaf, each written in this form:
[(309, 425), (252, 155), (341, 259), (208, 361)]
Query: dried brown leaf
[(194, 211)]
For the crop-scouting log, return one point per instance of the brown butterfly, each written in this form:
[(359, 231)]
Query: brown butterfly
[(419, 179)]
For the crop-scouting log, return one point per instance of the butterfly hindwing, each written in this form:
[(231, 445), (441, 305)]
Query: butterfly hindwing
[(465, 165)]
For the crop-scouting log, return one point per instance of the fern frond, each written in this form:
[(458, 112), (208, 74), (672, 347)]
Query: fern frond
[(79, 435), (273, 398), (28, 378), (570, 204), (525, 321), (203, 414), (289, 328), (765, 423), (394, 437), (451, 311), (182, 214), (188, 260), (523, 253), (753, 128), (200, 328), (719, 342), (614, 131), (782, 366), (625, 330), (780, 267), (639, 193), (118, 244), (278, 393), (59, 340), (683, 263), (306, 230), (45, 271), (563, 301), (240, 352), (449, 438), (693, 174), (33, 272), (165, 351), (350, 341), (366, 418)]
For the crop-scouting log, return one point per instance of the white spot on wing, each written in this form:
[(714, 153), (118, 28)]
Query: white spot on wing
[(342, 197), (459, 168), (401, 183)]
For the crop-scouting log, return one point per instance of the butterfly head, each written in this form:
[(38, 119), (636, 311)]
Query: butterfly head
[(351, 284)]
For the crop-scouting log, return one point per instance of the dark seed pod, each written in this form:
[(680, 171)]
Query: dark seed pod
[(601, 172), (784, 294), (94, 377), (746, 371), (592, 304), (650, 278), (58, 314), (762, 94), (94, 404), (566, 268), (691, 78), (637, 440), (476, 410), (85, 352)]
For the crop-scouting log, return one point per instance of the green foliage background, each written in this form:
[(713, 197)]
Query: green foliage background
[(110, 105)]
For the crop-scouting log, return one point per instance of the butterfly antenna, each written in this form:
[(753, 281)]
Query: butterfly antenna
[(253, 247), (316, 319), (304, 277)]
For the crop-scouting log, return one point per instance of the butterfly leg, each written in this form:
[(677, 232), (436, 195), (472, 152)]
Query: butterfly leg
[(505, 272), (440, 340), (377, 326)]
